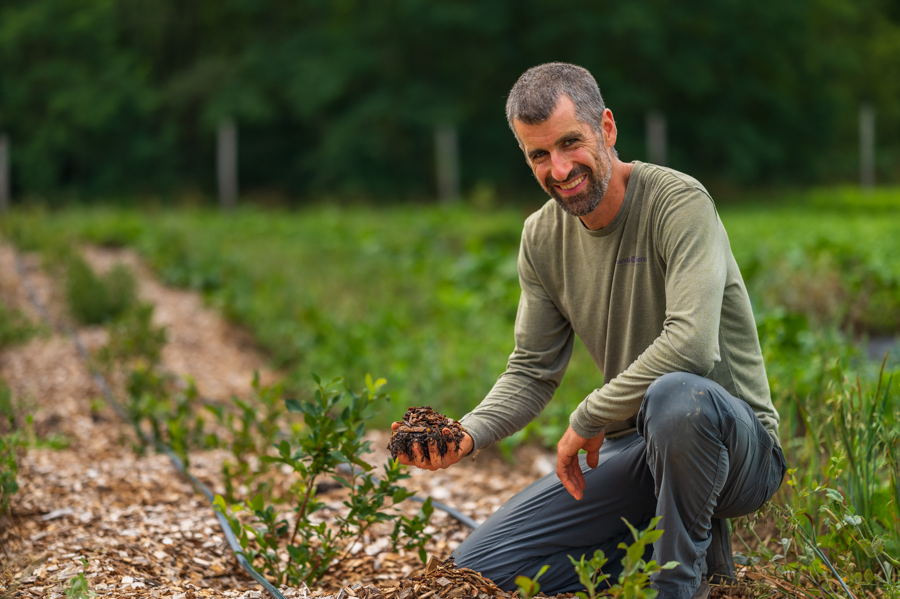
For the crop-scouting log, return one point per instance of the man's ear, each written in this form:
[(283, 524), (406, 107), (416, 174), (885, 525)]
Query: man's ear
[(608, 124)]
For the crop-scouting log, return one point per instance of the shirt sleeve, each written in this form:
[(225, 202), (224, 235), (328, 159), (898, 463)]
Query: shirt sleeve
[(690, 240), (544, 342)]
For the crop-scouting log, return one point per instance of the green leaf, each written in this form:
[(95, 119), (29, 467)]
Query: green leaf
[(834, 495), (219, 504), (293, 405)]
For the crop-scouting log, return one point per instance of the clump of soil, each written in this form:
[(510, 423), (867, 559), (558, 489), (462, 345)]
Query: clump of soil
[(425, 427)]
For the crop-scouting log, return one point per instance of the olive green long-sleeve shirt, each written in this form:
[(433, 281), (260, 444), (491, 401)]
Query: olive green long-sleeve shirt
[(655, 291)]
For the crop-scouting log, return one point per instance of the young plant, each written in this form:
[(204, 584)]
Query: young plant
[(133, 338), (10, 441), (589, 573), (265, 532), (411, 529), (164, 405), (9, 469), (94, 299), (15, 327), (253, 429), (331, 445), (636, 572), (529, 587), (635, 576), (78, 586)]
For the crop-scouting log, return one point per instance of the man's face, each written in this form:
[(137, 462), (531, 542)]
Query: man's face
[(569, 160)]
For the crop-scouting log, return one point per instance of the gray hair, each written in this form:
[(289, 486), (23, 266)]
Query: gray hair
[(535, 95)]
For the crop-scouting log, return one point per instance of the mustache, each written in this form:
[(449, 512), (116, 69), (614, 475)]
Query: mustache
[(573, 174)]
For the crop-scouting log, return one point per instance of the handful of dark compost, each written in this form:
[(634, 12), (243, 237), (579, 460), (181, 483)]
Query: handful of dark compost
[(425, 427)]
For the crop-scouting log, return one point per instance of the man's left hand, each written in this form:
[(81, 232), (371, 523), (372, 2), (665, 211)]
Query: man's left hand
[(567, 468)]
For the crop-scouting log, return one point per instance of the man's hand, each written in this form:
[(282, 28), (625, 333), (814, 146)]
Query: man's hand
[(435, 461), (567, 468)]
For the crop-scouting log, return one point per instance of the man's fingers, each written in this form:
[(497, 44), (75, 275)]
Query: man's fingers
[(567, 475), (593, 458), (576, 475), (434, 456)]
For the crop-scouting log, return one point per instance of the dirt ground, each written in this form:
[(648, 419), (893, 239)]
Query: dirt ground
[(142, 529)]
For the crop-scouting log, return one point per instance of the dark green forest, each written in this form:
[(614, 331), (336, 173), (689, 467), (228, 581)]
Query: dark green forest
[(340, 98)]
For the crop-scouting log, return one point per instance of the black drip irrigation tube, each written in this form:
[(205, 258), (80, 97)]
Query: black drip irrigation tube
[(176, 461)]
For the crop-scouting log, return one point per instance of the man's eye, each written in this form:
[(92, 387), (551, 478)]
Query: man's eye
[(569, 142), (537, 156)]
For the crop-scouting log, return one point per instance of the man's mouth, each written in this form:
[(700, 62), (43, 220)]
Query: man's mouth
[(572, 184)]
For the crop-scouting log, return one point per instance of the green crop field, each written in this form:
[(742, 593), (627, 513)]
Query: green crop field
[(426, 297)]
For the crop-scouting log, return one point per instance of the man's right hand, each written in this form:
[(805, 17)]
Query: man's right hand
[(435, 461)]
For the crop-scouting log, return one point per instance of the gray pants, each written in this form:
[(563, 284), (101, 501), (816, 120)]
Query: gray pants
[(699, 453)]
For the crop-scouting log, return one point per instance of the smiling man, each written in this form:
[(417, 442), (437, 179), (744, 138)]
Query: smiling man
[(633, 259)]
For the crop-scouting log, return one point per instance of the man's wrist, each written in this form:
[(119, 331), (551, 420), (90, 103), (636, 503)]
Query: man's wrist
[(580, 424)]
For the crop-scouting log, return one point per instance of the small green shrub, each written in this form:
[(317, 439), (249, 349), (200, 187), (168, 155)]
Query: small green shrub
[(253, 428), (133, 338), (15, 327), (163, 406), (9, 469), (96, 299), (331, 445), (10, 442)]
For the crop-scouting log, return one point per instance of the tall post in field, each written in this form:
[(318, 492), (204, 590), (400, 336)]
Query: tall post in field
[(446, 153), (4, 172), (226, 163), (656, 138), (867, 146)]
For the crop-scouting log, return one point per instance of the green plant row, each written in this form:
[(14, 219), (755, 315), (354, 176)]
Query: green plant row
[(168, 410)]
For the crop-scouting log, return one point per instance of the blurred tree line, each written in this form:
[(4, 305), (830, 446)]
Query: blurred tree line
[(341, 97)]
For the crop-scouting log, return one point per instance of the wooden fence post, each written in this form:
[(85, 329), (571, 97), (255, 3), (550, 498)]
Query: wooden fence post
[(656, 138), (866, 146), (4, 173), (226, 164), (446, 153)]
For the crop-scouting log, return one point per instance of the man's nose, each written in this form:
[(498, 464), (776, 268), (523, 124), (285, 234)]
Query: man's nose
[(560, 166)]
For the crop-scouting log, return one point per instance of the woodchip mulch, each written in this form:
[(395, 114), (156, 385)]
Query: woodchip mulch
[(133, 520)]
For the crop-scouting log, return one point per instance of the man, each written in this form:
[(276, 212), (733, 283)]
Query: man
[(633, 259)]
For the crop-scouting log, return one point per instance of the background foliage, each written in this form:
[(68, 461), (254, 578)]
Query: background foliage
[(113, 97)]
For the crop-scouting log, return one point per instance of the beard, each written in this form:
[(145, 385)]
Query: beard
[(587, 201)]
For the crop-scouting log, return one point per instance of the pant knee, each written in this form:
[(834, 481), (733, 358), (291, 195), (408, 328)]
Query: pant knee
[(676, 404)]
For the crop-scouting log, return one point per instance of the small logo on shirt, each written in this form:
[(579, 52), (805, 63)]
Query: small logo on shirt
[(632, 260)]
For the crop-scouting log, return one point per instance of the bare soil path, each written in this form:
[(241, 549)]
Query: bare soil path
[(139, 525)]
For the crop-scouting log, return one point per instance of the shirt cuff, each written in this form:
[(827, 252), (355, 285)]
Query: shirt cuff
[(582, 424)]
